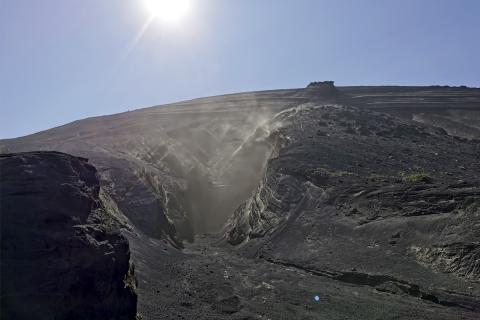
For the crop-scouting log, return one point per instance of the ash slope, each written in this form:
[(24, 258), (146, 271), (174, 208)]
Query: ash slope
[(175, 170), (179, 170), (62, 254), (368, 199), (377, 216)]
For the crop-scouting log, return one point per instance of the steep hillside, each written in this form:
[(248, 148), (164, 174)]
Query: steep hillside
[(358, 215), (320, 203), (175, 170), (368, 199)]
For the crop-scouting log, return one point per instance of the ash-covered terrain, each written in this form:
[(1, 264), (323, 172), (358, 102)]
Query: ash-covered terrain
[(318, 203)]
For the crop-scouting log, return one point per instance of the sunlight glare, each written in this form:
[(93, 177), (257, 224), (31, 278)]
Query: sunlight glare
[(168, 10)]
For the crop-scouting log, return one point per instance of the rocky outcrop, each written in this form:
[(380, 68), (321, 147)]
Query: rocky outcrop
[(62, 254), (319, 84), (322, 90)]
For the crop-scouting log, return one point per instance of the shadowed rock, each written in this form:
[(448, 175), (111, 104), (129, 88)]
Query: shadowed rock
[(62, 254)]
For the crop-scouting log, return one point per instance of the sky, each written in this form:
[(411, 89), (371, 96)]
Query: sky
[(64, 60)]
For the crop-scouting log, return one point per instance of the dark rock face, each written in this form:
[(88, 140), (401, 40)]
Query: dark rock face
[(369, 199), (62, 254), (321, 84), (324, 90)]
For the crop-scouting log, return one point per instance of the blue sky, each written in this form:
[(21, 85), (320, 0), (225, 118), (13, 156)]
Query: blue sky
[(63, 60)]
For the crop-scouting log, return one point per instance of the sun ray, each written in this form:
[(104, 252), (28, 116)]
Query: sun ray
[(137, 38)]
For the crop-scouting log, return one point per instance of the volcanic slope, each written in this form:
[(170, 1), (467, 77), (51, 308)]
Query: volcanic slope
[(175, 170), (374, 216), (374, 213)]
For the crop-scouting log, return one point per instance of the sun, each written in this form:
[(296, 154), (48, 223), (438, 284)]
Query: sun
[(168, 10)]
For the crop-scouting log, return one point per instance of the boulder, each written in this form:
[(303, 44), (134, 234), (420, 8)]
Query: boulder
[(63, 256)]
